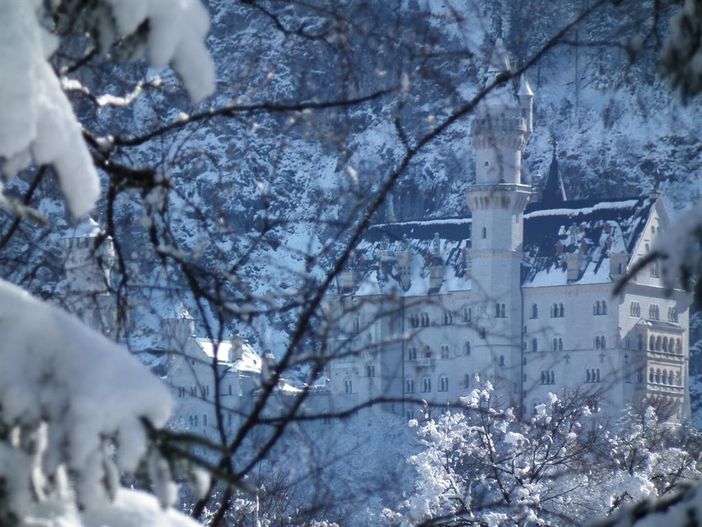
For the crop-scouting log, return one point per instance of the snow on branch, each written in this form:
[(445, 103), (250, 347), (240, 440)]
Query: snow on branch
[(72, 409), (37, 123)]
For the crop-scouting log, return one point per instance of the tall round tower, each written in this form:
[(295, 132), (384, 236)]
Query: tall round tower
[(500, 131), (87, 263)]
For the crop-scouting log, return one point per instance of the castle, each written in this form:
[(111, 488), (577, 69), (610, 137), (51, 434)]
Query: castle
[(519, 293)]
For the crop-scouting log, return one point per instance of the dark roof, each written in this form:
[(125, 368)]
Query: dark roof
[(594, 228), (553, 192)]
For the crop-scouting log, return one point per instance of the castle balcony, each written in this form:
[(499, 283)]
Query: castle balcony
[(425, 362)]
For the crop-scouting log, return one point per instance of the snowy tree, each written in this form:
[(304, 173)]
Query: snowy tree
[(559, 467), (73, 405)]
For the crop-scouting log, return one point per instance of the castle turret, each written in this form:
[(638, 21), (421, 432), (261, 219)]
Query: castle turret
[(88, 259), (500, 130)]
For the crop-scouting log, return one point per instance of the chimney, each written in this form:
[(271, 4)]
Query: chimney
[(404, 262), (573, 263), (436, 267)]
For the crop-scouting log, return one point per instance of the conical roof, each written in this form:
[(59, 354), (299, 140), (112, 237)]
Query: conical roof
[(553, 191)]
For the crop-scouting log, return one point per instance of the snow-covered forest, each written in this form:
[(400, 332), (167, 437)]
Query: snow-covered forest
[(186, 187)]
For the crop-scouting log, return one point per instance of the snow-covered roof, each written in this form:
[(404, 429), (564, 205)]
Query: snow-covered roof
[(249, 360), (595, 229)]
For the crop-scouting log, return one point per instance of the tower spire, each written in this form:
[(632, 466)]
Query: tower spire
[(554, 191)]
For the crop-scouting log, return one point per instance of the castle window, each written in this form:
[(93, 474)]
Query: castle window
[(654, 312), (482, 333), (412, 354), (620, 268), (409, 385), (484, 233), (557, 344), (426, 385), (195, 420), (348, 386), (443, 383), (548, 377), (639, 375), (534, 344), (534, 311), (230, 389), (204, 419), (467, 314), (502, 360), (500, 311), (444, 352), (592, 375), (672, 314), (635, 309), (678, 346), (466, 348), (650, 375), (370, 370), (655, 269), (640, 342), (466, 380)]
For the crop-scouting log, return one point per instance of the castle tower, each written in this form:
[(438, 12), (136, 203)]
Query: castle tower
[(500, 130), (88, 260)]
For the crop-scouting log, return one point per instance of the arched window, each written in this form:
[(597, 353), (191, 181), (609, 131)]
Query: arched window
[(603, 307), (443, 383), (409, 385), (664, 347), (445, 352), (658, 375), (561, 310), (659, 342), (348, 386), (587, 376), (596, 308), (534, 311), (552, 377), (650, 375), (370, 370), (652, 343), (543, 377), (467, 314), (678, 346), (426, 385), (466, 348), (412, 354), (664, 377)]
